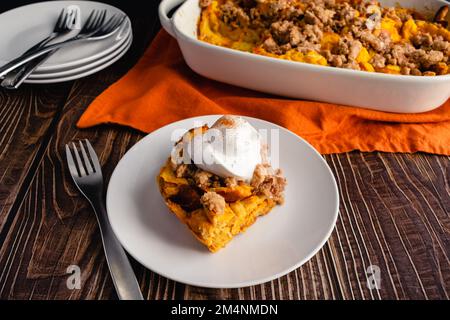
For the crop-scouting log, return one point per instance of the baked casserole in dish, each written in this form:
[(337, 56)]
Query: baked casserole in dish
[(351, 34), (385, 55)]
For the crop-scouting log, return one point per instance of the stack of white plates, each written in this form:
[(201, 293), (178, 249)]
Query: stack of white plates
[(25, 26)]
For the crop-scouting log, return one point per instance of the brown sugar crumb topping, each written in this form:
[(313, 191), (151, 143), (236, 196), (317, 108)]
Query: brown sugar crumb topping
[(392, 36), (269, 182), (213, 202), (202, 179), (231, 182)]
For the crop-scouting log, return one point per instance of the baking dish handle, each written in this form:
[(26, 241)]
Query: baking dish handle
[(164, 8)]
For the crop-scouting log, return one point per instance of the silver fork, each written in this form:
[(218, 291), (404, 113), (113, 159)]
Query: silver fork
[(95, 28), (63, 26), (87, 175)]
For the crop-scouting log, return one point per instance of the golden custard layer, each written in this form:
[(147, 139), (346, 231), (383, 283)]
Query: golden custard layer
[(214, 230), (353, 34)]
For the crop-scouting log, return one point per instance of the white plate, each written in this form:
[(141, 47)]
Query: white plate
[(275, 245), (25, 26), (81, 69), (85, 73)]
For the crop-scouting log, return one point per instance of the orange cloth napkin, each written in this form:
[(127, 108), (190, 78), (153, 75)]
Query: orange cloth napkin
[(161, 89)]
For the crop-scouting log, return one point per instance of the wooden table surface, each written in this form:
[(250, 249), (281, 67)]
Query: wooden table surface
[(394, 210)]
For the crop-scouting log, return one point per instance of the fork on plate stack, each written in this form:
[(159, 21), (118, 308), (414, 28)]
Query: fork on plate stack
[(64, 41)]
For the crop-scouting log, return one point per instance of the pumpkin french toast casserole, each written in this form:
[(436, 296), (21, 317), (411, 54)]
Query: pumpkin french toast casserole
[(224, 193), (352, 34)]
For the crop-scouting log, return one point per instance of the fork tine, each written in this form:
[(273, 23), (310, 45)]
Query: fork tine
[(120, 22), (77, 157), (108, 23), (72, 167), (100, 26), (116, 23), (89, 168), (61, 19), (89, 20), (113, 23), (101, 20), (93, 156), (94, 19)]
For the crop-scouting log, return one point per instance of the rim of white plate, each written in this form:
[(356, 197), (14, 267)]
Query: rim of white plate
[(79, 70), (83, 74)]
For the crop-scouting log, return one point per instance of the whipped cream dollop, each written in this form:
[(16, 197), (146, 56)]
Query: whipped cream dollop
[(230, 148)]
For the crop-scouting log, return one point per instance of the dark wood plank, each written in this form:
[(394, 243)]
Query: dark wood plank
[(54, 229), (26, 116), (365, 235), (394, 214)]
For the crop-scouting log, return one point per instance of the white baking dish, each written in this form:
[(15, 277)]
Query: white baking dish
[(384, 92)]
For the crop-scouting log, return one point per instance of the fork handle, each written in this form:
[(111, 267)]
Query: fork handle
[(15, 78), (9, 82), (33, 54), (122, 273)]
